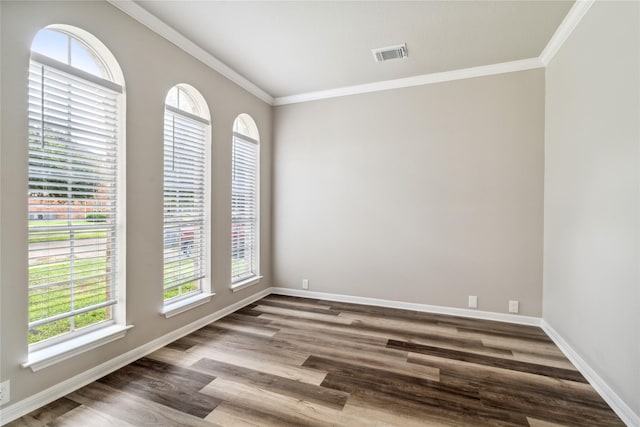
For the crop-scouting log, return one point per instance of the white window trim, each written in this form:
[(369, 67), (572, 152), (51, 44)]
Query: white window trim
[(173, 307), (40, 355), (254, 280), (56, 353), (185, 304)]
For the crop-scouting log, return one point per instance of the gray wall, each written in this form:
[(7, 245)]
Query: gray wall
[(591, 282), (151, 66), (425, 195)]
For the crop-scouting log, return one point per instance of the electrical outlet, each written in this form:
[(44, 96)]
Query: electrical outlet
[(305, 283), (473, 301), (514, 306), (5, 392)]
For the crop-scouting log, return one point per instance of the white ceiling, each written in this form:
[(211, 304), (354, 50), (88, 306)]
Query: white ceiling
[(288, 48)]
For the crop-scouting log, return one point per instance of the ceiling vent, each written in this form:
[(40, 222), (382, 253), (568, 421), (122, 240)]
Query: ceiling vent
[(391, 52)]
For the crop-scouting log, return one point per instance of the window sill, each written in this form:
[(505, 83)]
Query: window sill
[(185, 304), (235, 287), (56, 353)]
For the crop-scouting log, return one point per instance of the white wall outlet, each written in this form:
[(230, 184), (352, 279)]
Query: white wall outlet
[(305, 283), (473, 301), (514, 306), (5, 392)]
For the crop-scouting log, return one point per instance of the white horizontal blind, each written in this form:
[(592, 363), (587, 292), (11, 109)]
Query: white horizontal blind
[(244, 209), (184, 203), (73, 170)]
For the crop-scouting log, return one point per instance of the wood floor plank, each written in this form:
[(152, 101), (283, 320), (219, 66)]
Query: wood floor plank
[(174, 357), (488, 360), (308, 308), (328, 329), (296, 389), (368, 414), (233, 415), (440, 398), (280, 356), (44, 415), (303, 314), (402, 413), (252, 328), (394, 363), (556, 362), (257, 363), (534, 422), (292, 410), (297, 301), (83, 416), (548, 408), (476, 374), (133, 409), (403, 330), (169, 385)]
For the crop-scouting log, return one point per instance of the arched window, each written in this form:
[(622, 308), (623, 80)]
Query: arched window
[(76, 187), (245, 184), (186, 196)]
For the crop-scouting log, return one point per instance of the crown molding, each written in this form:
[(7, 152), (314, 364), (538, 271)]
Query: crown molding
[(147, 19), (445, 76), (570, 22), (566, 27)]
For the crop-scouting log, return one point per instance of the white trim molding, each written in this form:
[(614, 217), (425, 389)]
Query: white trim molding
[(49, 356), (628, 416), (44, 397), (564, 30), (569, 23), (437, 309), (425, 79), (150, 21), (186, 304), (562, 33), (235, 287)]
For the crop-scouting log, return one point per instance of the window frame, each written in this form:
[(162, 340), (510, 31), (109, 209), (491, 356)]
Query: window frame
[(63, 346), (182, 303), (254, 279)]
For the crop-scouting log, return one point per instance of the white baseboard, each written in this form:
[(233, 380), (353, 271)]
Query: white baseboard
[(623, 410), (59, 390), (474, 314)]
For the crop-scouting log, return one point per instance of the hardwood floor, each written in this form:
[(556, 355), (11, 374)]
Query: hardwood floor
[(295, 361)]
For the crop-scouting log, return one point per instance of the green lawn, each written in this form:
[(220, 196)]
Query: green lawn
[(185, 267), (38, 236), (51, 301)]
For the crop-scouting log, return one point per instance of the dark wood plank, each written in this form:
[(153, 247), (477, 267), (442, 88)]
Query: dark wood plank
[(133, 409), (169, 385), (440, 397), (182, 344), (300, 307), (489, 360)]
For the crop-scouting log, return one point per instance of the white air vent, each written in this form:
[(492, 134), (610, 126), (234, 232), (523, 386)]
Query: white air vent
[(390, 52)]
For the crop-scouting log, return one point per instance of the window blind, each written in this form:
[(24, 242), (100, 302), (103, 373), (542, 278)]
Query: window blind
[(244, 208), (73, 170), (184, 202)]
